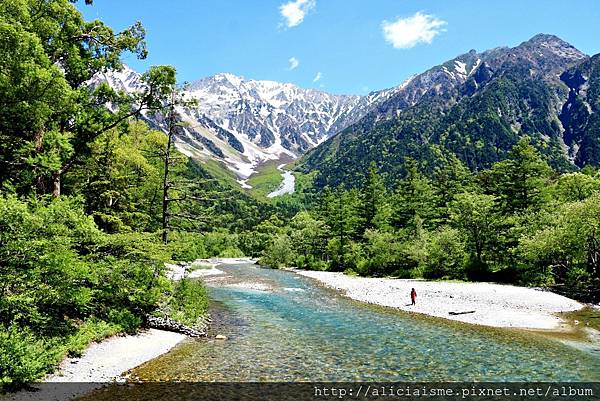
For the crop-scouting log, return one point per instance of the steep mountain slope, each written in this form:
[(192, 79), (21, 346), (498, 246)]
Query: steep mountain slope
[(475, 106), (244, 123), (580, 115)]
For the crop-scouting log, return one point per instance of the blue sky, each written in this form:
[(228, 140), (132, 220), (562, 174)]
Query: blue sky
[(351, 46)]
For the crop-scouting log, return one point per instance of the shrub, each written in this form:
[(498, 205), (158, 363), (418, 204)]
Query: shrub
[(477, 271), (59, 270), (125, 319), (217, 242), (23, 358), (310, 262), (89, 331), (382, 253), (42, 270), (231, 252), (189, 301), (319, 265), (576, 276)]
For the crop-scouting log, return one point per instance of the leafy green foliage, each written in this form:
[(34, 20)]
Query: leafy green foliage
[(59, 269), (568, 248), (280, 252), (473, 214), (121, 180), (189, 301), (23, 357), (50, 114), (446, 253), (81, 192)]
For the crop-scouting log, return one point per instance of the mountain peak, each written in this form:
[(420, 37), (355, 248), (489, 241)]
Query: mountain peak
[(227, 76), (549, 52), (546, 38), (554, 44)]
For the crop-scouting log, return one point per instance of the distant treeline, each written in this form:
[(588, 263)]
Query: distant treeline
[(518, 222)]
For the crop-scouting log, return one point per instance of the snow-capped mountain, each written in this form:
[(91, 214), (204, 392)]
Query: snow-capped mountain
[(246, 122), (243, 123), (271, 114)]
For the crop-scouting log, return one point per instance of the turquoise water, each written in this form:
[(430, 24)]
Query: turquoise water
[(296, 330)]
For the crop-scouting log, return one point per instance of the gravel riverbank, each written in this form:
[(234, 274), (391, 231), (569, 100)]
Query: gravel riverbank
[(101, 363), (477, 303), (107, 360)]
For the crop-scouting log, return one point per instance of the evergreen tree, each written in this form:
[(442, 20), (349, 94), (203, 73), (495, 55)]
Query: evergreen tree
[(414, 197), (375, 204), (520, 181), (341, 210), (450, 177)]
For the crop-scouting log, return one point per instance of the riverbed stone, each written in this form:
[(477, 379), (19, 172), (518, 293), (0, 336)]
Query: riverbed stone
[(164, 323)]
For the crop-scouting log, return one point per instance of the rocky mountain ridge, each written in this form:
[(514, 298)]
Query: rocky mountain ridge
[(478, 106)]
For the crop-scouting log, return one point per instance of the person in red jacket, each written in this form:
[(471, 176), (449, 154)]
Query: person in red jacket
[(413, 296)]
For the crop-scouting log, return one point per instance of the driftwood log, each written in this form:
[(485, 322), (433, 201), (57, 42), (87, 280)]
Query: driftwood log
[(461, 313)]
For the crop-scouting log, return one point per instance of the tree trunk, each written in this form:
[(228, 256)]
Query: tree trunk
[(342, 224), (593, 256), (41, 181), (167, 162), (56, 178), (39, 140)]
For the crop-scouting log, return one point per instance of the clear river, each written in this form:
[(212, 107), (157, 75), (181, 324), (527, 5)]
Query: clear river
[(284, 327)]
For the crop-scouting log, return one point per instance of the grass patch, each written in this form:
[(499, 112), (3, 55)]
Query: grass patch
[(220, 172), (90, 331), (266, 180), (199, 266)]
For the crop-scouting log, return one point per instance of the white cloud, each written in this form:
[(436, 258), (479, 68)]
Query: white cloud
[(405, 33), (318, 77), (294, 11), (294, 63)]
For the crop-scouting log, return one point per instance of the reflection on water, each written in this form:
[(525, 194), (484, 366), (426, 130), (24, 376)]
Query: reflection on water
[(299, 331)]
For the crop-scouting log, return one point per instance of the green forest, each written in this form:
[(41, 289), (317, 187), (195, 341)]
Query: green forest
[(518, 222), (94, 202)]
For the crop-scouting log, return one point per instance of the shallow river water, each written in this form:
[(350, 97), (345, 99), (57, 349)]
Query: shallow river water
[(284, 327)]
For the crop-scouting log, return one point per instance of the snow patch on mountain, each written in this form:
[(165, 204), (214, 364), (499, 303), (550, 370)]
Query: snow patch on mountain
[(243, 123), (461, 67)]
